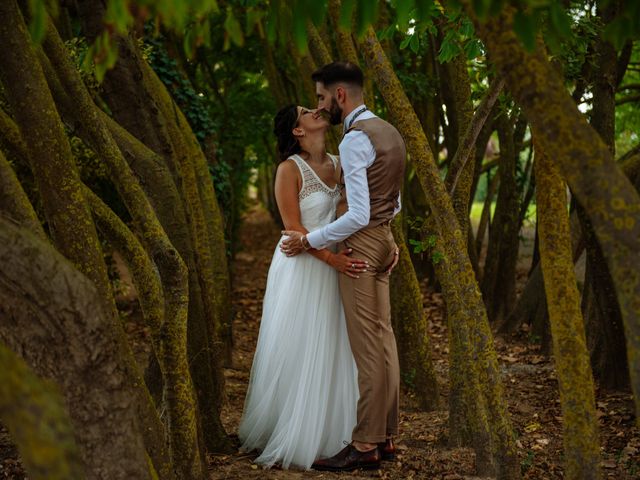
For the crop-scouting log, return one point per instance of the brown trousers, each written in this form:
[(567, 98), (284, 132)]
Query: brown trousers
[(368, 313)]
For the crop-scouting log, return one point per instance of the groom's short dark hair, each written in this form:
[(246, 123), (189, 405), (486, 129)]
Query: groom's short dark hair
[(337, 72)]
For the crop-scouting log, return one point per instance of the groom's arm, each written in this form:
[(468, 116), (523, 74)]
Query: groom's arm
[(356, 154)]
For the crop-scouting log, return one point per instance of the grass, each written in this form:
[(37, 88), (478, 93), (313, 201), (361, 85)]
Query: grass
[(476, 212)]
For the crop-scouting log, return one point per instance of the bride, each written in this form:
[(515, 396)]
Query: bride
[(302, 396)]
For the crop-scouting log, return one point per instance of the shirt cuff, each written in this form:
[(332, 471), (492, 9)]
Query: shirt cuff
[(316, 239)]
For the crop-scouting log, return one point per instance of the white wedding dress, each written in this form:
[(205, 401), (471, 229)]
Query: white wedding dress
[(302, 395)]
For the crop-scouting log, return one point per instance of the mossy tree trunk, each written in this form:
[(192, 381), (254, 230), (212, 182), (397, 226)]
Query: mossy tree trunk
[(171, 351), (410, 326), (50, 312), (200, 246), (605, 329), (577, 395), (499, 275), (14, 203), (472, 317), (606, 194), (33, 411)]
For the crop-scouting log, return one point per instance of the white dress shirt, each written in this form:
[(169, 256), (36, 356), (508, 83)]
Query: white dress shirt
[(356, 155)]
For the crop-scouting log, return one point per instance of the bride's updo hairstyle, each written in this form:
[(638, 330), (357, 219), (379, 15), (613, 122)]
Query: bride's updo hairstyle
[(283, 124)]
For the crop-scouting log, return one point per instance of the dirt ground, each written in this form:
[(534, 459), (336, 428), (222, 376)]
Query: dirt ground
[(529, 379), (528, 376)]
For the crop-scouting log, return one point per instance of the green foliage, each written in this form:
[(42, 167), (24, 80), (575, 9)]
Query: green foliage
[(39, 9), (409, 378), (192, 104), (426, 243), (190, 18), (626, 26)]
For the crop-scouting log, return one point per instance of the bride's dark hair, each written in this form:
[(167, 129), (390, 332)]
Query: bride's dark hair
[(283, 124)]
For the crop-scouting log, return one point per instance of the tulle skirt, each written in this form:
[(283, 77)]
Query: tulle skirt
[(302, 396)]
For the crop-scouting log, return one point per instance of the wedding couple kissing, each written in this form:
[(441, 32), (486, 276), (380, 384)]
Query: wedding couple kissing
[(325, 372)]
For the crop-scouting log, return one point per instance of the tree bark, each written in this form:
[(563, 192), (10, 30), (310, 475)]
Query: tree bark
[(70, 224), (577, 395), (410, 326), (204, 337), (14, 203), (58, 320), (605, 330), (499, 277), (33, 411), (183, 427)]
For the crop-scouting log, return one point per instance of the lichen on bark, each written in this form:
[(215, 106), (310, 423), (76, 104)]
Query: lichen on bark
[(575, 381)]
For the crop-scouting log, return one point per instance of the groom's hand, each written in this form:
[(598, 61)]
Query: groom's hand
[(293, 245)]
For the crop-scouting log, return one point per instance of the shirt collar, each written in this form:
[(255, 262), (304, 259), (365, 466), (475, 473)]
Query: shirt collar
[(348, 118)]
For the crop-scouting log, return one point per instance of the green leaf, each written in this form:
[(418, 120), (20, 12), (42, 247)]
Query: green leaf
[(466, 27), (473, 49), (366, 15), (437, 257), (232, 27), (619, 31), (38, 24), (426, 10), (386, 33), (448, 50), (346, 15), (314, 10), (405, 42), (559, 19), (403, 13), (414, 44), (300, 28), (272, 21), (253, 18), (118, 15), (525, 27)]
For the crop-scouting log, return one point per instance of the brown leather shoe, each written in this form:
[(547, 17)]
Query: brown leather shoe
[(387, 449), (349, 458)]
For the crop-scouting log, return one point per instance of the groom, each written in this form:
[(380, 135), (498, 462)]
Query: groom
[(372, 155)]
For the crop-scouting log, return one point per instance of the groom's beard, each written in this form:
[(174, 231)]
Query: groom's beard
[(335, 113)]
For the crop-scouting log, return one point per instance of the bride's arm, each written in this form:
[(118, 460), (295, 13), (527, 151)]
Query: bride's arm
[(287, 187)]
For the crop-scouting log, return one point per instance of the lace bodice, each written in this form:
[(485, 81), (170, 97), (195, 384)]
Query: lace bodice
[(317, 201)]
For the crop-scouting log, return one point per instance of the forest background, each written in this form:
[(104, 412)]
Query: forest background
[(139, 133)]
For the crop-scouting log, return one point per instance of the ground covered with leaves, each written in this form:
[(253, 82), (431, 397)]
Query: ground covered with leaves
[(528, 376)]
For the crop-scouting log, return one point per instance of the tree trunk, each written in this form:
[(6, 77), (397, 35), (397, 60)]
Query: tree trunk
[(410, 326), (34, 413), (183, 427), (68, 217), (14, 203), (605, 329), (133, 79), (609, 199), (499, 277), (465, 300), (461, 171), (58, 320), (485, 216), (577, 395)]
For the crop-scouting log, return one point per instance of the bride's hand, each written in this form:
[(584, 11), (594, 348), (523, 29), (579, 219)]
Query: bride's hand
[(396, 258), (345, 264)]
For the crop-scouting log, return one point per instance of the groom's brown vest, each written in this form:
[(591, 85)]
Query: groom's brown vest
[(385, 174)]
